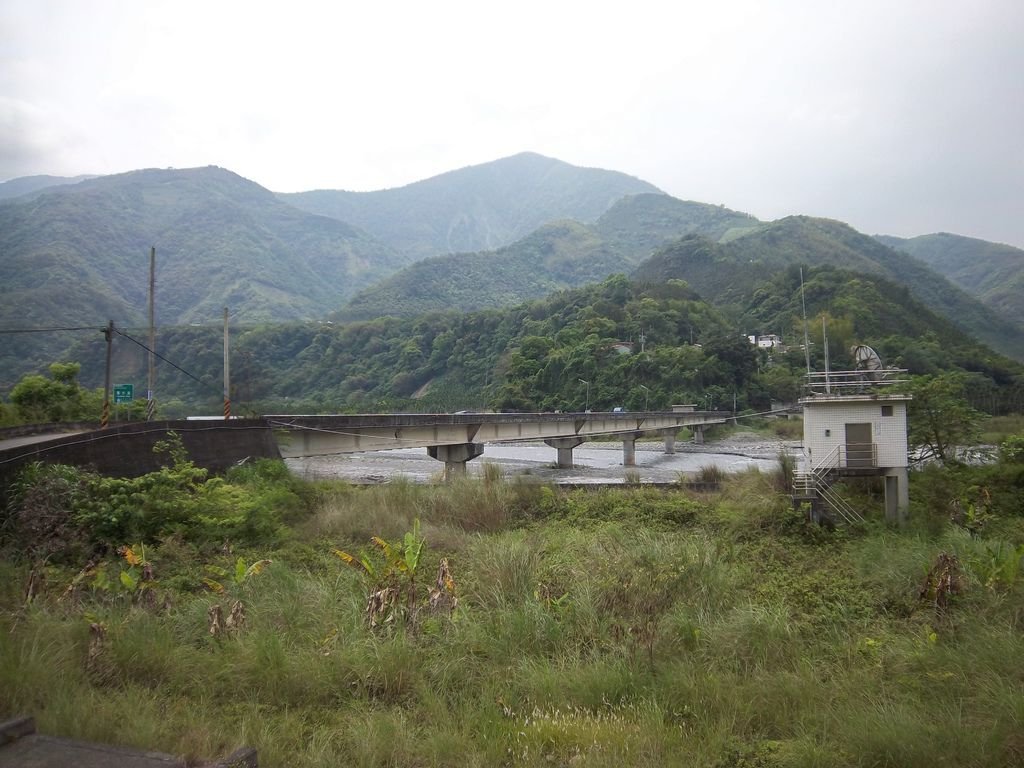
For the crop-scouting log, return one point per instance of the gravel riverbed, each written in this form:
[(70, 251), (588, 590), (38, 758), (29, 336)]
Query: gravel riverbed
[(595, 462)]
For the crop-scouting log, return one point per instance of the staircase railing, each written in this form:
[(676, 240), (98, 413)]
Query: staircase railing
[(816, 483), (808, 480), (839, 505)]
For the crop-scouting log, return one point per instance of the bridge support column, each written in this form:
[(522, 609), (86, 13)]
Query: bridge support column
[(629, 450), (897, 495), (670, 441), (564, 446), (698, 434), (455, 456)]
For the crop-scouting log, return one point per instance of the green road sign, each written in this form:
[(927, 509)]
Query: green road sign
[(124, 393)]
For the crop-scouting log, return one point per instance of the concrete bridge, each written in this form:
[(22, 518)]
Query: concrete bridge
[(127, 449), (460, 437)]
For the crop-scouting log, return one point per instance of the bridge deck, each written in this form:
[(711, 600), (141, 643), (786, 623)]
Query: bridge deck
[(126, 449), (300, 436)]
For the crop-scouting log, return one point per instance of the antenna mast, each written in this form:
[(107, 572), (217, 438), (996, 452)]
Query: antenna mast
[(807, 342), (824, 339)]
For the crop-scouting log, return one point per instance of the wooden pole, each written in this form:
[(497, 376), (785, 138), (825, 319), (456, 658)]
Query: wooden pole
[(105, 418), (227, 370), (151, 382)]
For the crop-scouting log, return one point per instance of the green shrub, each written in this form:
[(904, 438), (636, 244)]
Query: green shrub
[(39, 521), (58, 511), (1011, 451)]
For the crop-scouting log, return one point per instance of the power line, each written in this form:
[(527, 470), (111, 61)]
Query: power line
[(51, 330), (119, 332)]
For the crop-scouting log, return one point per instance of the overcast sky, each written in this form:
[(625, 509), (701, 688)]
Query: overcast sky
[(898, 116)]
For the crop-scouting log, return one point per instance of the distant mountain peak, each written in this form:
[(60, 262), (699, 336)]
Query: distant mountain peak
[(476, 208)]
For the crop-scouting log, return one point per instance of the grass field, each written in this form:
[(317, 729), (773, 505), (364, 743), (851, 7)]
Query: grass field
[(610, 628)]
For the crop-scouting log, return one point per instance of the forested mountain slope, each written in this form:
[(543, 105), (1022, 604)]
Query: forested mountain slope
[(639, 224), (559, 255), (79, 255), (727, 271), (992, 272), (533, 356), (479, 208)]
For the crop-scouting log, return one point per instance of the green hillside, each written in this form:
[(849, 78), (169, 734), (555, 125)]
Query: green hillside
[(639, 224), (723, 254), (79, 255), (560, 255), (727, 271), (483, 207), (557, 255), (532, 357), (992, 272)]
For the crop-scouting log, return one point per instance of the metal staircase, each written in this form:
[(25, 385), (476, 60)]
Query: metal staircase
[(814, 486)]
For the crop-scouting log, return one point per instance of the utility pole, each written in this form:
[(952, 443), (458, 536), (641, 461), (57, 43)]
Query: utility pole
[(587, 406), (105, 418), (227, 370), (824, 339), (807, 341), (151, 382)]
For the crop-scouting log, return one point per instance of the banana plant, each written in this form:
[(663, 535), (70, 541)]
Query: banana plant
[(402, 557), (241, 573), (398, 563)]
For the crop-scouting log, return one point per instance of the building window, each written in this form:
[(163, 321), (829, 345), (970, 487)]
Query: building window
[(887, 410)]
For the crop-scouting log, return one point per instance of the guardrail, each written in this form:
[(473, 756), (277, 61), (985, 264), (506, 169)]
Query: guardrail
[(852, 382)]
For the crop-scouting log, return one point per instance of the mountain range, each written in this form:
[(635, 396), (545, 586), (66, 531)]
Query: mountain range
[(481, 207), (723, 254), (557, 255), (993, 272), (75, 252)]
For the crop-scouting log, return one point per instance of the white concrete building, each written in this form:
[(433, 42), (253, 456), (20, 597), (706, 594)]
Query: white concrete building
[(856, 428)]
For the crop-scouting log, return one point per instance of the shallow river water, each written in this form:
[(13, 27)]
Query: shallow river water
[(595, 462)]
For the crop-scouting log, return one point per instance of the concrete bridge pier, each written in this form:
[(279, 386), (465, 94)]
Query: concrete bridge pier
[(670, 441), (455, 456), (564, 446), (698, 434), (629, 450)]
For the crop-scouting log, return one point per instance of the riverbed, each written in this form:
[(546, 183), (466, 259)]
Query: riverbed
[(595, 462)]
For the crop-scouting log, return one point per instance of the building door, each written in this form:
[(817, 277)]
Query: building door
[(860, 452)]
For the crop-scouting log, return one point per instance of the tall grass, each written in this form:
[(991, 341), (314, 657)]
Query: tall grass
[(593, 628), (998, 428)]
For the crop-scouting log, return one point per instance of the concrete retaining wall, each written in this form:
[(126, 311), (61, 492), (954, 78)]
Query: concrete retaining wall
[(126, 450)]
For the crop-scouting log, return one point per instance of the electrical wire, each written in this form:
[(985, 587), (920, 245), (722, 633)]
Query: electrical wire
[(50, 330), (119, 332)]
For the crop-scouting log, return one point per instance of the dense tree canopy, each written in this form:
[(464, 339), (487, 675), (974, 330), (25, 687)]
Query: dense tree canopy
[(941, 422)]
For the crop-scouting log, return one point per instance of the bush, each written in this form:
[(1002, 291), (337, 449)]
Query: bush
[(1012, 450), (64, 512), (39, 520)]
